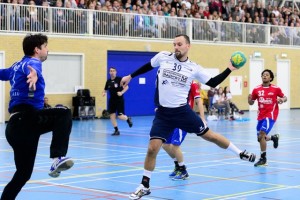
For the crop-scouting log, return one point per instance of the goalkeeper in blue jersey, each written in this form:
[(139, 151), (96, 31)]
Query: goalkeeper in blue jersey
[(28, 120)]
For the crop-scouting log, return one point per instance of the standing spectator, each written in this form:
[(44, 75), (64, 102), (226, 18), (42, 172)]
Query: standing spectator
[(116, 100), (268, 97), (28, 120)]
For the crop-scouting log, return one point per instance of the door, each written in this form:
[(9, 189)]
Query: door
[(139, 99), (283, 80), (256, 67), (2, 92)]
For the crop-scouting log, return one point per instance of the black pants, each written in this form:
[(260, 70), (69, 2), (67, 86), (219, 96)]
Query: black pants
[(23, 132)]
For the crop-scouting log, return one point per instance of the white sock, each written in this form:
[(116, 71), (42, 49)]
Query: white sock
[(181, 163), (147, 173), (234, 149), (174, 159)]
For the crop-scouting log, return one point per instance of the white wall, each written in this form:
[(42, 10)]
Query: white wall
[(256, 67)]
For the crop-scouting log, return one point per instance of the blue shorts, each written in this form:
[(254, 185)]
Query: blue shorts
[(265, 125), (177, 137), (168, 119)]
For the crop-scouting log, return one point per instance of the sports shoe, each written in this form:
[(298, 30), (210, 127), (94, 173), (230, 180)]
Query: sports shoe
[(174, 172), (129, 121), (241, 112), (116, 133), (247, 156), (181, 175), (261, 162), (60, 164), (275, 139), (140, 191)]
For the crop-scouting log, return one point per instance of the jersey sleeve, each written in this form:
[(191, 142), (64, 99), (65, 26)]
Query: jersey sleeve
[(254, 94), (155, 61), (5, 74), (202, 75), (280, 93), (106, 85)]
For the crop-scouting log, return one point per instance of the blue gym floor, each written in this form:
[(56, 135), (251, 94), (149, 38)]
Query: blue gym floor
[(111, 167)]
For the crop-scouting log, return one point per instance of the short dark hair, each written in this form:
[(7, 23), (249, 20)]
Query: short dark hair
[(187, 38), (113, 68), (33, 40), (270, 72)]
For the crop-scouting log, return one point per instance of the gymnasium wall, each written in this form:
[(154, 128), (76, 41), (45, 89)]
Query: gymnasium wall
[(95, 61)]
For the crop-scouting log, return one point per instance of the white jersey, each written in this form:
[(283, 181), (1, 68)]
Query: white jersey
[(174, 78)]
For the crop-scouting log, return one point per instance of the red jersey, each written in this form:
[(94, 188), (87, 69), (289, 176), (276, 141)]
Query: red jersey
[(194, 93), (267, 101)]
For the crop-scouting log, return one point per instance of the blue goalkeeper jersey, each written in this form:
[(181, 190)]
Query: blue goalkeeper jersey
[(20, 92)]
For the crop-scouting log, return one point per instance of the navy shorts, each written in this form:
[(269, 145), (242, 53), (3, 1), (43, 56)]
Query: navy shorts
[(168, 119)]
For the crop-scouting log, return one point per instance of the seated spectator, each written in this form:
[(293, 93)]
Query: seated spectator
[(46, 103), (220, 103), (228, 97)]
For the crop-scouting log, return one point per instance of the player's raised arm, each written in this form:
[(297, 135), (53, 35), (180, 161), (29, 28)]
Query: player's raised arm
[(145, 68)]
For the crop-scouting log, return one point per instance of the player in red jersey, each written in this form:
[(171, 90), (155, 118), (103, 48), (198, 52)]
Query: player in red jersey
[(172, 145), (268, 97)]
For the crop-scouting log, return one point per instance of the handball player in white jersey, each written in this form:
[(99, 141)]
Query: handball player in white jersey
[(174, 77)]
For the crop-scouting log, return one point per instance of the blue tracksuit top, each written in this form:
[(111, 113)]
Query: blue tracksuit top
[(17, 75)]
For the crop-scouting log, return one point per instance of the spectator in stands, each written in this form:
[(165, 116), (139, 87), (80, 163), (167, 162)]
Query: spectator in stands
[(161, 22), (202, 4), (226, 10), (33, 17), (58, 14), (206, 13), (82, 4), (43, 16)]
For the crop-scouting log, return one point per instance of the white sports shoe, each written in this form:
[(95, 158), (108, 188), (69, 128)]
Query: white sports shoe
[(140, 191), (60, 164)]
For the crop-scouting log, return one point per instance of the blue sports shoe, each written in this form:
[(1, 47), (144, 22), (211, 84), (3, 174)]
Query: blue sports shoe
[(60, 164), (174, 172), (181, 175)]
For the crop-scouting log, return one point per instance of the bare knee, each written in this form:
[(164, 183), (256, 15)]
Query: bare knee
[(261, 136), (154, 147), (210, 136)]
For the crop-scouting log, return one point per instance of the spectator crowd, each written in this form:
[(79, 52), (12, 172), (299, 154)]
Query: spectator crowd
[(156, 18)]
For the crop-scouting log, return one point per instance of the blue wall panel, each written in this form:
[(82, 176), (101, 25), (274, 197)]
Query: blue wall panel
[(139, 99)]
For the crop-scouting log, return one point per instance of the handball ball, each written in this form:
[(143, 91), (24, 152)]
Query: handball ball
[(238, 59)]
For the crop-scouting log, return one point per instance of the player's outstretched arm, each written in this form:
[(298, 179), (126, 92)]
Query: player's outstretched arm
[(213, 82), (125, 80), (145, 68), (231, 67)]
